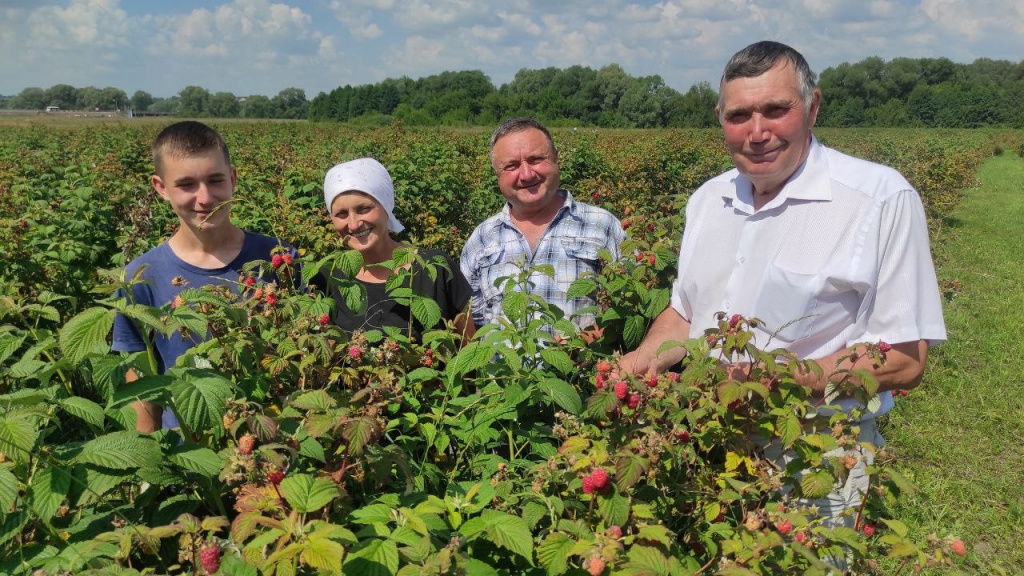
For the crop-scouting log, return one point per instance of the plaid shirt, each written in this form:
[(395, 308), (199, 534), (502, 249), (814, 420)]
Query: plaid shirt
[(570, 244)]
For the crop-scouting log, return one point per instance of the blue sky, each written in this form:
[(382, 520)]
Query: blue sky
[(263, 46)]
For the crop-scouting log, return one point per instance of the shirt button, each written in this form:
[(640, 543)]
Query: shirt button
[(742, 260)]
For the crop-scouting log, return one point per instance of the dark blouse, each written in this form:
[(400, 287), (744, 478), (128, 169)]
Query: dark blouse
[(449, 289)]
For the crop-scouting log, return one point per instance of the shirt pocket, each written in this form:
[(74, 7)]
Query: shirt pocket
[(493, 265), (787, 302), (582, 253)]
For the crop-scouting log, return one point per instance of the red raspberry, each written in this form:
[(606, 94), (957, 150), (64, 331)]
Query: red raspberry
[(604, 367), (276, 260), (634, 401), (784, 527), (625, 224), (600, 478), (673, 376), (271, 299), (651, 259), (652, 381), (597, 566), (958, 547), (325, 319), (287, 259), (428, 362), (209, 557), (869, 530), (246, 444), (640, 257), (621, 389), (884, 347), (429, 352), (588, 485), (250, 281), (650, 227), (599, 381), (735, 320), (275, 477), (683, 436), (801, 537), (613, 532), (355, 352)]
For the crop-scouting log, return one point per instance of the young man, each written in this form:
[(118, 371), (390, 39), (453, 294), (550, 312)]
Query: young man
[(195, 176)]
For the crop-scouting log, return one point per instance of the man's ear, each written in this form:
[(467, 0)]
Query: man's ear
[(234, 178), (158, 184), (718, 114), (812, 114)]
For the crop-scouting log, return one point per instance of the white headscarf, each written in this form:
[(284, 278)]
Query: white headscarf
[(364, 175)]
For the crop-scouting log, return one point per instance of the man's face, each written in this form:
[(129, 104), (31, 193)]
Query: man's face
[(767, 126), (527, 168), (198, 188)]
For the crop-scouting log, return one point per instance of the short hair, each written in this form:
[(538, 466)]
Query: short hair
[(760, 57), (184, 139), (513, 125)]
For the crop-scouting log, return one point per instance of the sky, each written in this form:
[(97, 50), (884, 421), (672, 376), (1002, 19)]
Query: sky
[(263, 46)]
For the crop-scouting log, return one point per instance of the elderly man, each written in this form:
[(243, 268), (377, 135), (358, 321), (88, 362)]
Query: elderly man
[(541, 224), (826, 249)]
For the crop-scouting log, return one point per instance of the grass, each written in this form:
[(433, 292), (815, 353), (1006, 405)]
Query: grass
[(960, 436)]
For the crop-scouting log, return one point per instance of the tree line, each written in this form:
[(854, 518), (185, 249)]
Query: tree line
[(903, 92)]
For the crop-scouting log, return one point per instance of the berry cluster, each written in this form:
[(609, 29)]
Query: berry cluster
[(596, 481)]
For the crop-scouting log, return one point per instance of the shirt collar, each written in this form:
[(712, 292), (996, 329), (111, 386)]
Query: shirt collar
[(810, 182)]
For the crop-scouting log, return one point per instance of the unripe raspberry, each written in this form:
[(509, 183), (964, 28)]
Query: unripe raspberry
[(209, 557), (275, 477), (621, 389), (287, 259), (784, 527), (958, 547), (600, 478), (276, 260), (246, 444), (177, 302), (597, 566), (588, 485), (604, 367), (634, 401), (613, 532)]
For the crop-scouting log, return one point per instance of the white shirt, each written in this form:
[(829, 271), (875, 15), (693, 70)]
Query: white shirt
[(839, 256)]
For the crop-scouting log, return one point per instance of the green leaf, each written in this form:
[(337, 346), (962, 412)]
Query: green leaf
[(49, 489), (553, 552), (306, 494), (120, 451), (9, 344), (629, 469), (563, 394), (323, 554), (86, 333), (17, 437), (198, 459), (198, 397), (83, 408), (657, 533), (658, 302), (647, 561), (378, 558), (8, 490), (558, 359), (513, 305), (614, 509), (314, 400), (816, 484), (601, 403), (372, 514), (426, 310), (633, 331), (358, 432), (472, 357), (898, 528), (788, 428), (509, 532), (581, 288)]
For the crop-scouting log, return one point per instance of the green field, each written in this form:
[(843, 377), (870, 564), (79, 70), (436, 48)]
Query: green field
[(474, 460)]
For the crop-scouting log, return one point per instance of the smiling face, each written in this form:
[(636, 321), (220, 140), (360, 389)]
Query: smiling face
[(527, 168), (767, 126), (198, 188), (362, 220)]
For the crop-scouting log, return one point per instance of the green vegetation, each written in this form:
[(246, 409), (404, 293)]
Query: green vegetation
[(959, 437), (306, 449)]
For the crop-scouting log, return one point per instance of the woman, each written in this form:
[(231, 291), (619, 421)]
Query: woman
[(360, 199)]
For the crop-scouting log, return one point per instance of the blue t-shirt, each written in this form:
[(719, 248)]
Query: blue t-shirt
[(163, 266)]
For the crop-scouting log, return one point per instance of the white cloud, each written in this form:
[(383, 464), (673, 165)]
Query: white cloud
[(83, 24), (421, 14)]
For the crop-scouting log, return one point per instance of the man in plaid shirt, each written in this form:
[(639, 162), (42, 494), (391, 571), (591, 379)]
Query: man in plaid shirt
[(540, 224)]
